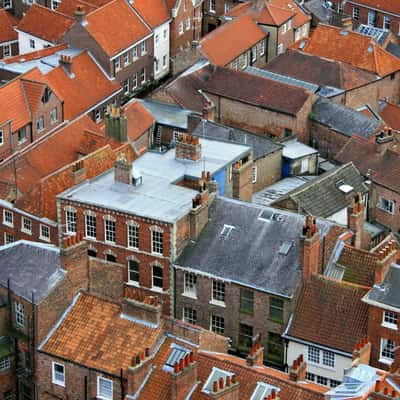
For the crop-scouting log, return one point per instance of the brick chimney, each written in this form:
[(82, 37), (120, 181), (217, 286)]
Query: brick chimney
[(198, 216), (188, 148), (184, 377), (256, 355), (355, 219), (80, 15), (242, 186), (225, 389), (310, 248), (383, 390), (148, 310), (384, 137), (66, 63), (116, 124), (209, 111), (138, 370), (78, 172), (362, 353), (75, 260), (297, 372), (123, 170), (387, 254), (347, 24)]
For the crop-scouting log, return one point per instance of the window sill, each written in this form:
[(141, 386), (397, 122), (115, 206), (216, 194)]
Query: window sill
[(218, 303), (90, 238), (8, 224), (189, 295), (58, 383), (26, 232), (384, 210), (276, 320), (247, 312), (108, 242), (44, 239), (322, 366), (133, 283), (385, 361), (157, 289), (389, 326)]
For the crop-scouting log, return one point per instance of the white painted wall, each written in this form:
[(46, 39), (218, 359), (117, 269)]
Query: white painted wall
[(161, 49), (24, 43), (339, 217), (336, 373)]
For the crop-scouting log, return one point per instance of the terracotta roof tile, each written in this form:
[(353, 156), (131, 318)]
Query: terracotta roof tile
[(68, 7), (255, 90), (330, 313), (35, 55), (139, 119), (219, 46), (94, 334), (390, 113), (382, 167), (7, 23), (355, 49), (116, 26), (87, 78), (44, 23), (392, 6), (154, 13)]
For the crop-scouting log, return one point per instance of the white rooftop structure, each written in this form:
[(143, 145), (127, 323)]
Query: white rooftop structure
[(157, 197), (294, 150)]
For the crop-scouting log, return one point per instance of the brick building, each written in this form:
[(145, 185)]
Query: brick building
[(248, 48), (143, 215), (242, 274), (8, 36)]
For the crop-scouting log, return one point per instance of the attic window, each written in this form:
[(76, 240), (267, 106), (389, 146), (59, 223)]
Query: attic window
[(263, 390), (345, 188), (46, 95), (176, 355), (269, 215), (285, 247), (226, 230), (215, 375)]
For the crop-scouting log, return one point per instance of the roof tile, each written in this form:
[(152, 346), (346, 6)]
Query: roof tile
[(7, 23)]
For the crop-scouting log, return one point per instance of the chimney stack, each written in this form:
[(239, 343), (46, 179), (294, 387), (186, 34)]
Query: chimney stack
[(184, 377), (198, 216), (355, 219), (123, 170), (310, 248), (297, 372), (147, 309), (362, 353), (116, 124), (138, 370), (347, 24), (80, 15), (256, 355), (188, 148), (225, 389), (209, 111), (387, 255), (66, 63)]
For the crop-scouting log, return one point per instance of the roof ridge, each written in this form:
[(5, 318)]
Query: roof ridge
[(101, 7), (51, 11), (342, 284)]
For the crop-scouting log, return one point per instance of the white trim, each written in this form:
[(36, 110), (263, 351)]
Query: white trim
[(131, 47), (379, 305), (10, 42), (53, 379), (99, 377)]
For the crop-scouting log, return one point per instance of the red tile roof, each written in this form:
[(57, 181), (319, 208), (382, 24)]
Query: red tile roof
[(7, 23), (257, 91), (154, 13), (44, 23), (330, 313), (382, 167), (68, 7), (116, 26), (94, 334), (392, 6), (301, 17), (350, 47), (139, 120), (35, 55), (390, 113), (230, 40), (86, 78)]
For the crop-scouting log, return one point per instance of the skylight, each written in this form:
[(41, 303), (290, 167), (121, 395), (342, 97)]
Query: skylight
[(345, 188), (226, 230), (285, 247), (263, 390), (215, 375), (177, 354)]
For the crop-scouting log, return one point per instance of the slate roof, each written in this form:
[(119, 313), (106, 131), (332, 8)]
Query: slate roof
[(343, 119), (218, 46), (322, 197), (93, 334), (387, 293), (353, 48), (31, 267), (381, 167), (249, 255), (330, 313), (318, 70), (262, 146), (256, 91)]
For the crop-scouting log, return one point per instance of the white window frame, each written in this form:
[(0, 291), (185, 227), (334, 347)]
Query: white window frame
[(130, 281), (132, 235), (134, 81), (212, 6), (117, 64), (7, 50), (254, 174), (99, 394), (180, 28), (143, 75), (390, 319), (70, 220), (371, 19), (1, 137), (188, 24), (135, 54), (43, 235), (189, 315), (253, 52), (190, 285), (8, 238), (384, 358), (90, 228), (143, 48), (32, 43), (126, 59), (289, 25), (389, 207), (164, 62), (19, 311), (227, 7), (262, 48), (324, 358), (304, 165), (7, 4), (386, 20), (217, 324), (54, 378), (110, 234), (217, 288), (8, 218), (156, 287), (356, 13), (125, 85), (29, 223), (97, 116), (53, 116), (281, 49), (157, 240), (40, 123), (284, 28)]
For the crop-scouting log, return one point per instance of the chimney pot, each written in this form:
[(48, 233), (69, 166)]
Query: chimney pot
[(191, 357), (273, 393), (233, 379), (215, 386), (181, 364), (176, 367), (221, 383), (385, 391), (147, 352), (228, 381), (378, 386)]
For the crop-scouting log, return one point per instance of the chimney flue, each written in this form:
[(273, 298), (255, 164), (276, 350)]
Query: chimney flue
[(123, 170), (80, 15)]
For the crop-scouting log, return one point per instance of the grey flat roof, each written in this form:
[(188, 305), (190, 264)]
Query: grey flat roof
[(157, 197), (45, 64), (31, 267), (167, 114), (294, 149), (387, 293), (261, 146), (279, 189), (252, 253)]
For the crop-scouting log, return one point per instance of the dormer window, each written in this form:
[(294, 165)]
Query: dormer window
[(263, 390), (46, 95)]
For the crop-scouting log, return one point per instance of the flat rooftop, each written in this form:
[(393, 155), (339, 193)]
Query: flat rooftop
[(158, 197)]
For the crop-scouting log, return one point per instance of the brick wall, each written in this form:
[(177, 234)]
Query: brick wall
[(269, 170)]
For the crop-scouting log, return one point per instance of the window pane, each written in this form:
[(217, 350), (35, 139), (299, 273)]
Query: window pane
[(133, 271), (276, 309), (275, 348), (246, 301), (157, 276), (245, 336)]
